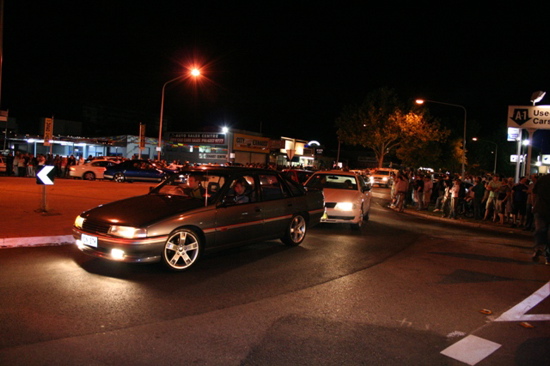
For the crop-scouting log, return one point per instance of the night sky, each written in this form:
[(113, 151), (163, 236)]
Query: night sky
[(282, 68)]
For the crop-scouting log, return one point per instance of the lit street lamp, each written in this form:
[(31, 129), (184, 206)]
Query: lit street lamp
[(195, 73), (496, 151), (421, 101)]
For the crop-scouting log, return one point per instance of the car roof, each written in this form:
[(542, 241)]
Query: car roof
[(337, 172), (225, 169)]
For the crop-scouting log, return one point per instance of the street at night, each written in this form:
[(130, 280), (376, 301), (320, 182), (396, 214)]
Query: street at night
[(399, 291)]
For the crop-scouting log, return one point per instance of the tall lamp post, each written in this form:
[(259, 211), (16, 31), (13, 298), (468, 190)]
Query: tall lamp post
[(194, 73), (422, 101), (496, 151)]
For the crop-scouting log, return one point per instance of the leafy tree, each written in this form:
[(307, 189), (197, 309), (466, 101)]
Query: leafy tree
[(381, 123)]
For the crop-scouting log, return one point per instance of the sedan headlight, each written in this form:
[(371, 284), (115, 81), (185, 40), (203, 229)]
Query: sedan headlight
[(127, 232), (79, 221), (344, 206)]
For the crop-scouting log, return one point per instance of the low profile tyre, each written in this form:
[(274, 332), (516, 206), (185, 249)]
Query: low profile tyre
[(296, 231), (181, 250), (88, 176), (119, 178)]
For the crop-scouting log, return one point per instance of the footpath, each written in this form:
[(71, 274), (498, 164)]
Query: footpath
[(469, 222)]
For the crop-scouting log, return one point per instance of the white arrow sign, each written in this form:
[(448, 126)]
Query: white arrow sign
[(43, 174)]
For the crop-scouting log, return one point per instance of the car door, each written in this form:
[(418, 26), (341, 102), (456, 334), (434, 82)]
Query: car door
[(365, 189), (239, 222), (277, 204)]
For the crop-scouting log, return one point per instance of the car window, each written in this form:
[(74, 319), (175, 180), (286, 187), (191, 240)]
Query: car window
[(241, 190), (333, 181), (296, 189), (271, 187)]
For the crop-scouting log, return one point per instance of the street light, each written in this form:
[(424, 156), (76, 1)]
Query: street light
[(496, 151), (195, 73), (422, 101)]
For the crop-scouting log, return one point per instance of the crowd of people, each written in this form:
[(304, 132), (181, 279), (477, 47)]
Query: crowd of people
[(22, 164), (487, 197), (524, 204)]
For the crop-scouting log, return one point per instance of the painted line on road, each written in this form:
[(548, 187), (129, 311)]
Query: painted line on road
[(36, 241), (517, 313), (473, 349)]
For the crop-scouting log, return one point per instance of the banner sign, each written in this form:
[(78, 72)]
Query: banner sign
[(197, 138), (251, 143), (48, 131)]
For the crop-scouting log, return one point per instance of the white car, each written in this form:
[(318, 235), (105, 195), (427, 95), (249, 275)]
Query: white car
[(92, 170), (383, 177), (347, 196)]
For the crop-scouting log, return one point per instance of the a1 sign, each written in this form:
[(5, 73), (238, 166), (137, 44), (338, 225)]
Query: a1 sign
[(45, 174)]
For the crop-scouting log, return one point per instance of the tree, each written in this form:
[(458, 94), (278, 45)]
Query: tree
[(381, 123)]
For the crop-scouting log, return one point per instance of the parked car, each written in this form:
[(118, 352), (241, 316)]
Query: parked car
[(347, 196), (298, 175), (136, 170), (199, 210), (92, 170), (383, 176)]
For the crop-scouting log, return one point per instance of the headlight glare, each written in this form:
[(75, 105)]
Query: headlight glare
[(344, 206), (79, 221), (127, 232)]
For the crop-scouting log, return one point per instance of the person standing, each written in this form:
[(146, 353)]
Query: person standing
[(427, 194), (493, 187), (519, 202), (9, 164), (529, 218), (479, 193), (541, 211), (455, 195), (402, 187)]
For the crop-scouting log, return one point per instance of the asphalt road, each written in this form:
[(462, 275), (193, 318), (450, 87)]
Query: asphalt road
[(400, 291)]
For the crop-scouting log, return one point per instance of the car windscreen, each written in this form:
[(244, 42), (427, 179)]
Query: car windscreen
[(333, 181), (191, 185)]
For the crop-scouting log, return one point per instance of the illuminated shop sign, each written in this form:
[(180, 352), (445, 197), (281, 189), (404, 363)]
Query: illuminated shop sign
[(250, 143), (197, 138)]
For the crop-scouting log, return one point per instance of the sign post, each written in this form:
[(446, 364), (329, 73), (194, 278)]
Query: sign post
[(45, 176)]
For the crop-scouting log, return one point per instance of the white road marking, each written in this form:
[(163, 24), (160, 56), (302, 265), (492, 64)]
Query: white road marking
[(517, 313), (471, 349)]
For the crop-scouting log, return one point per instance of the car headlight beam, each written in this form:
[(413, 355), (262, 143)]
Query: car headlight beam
[(344, 206), (127, 232), (79, 221)]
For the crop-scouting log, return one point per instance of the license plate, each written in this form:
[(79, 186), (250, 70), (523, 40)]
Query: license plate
[(89, 240)]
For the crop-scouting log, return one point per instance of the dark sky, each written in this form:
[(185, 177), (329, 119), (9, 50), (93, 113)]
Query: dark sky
[(287, 68)]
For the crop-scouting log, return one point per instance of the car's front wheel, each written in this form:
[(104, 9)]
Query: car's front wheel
[(182, 249), (296, 231)]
